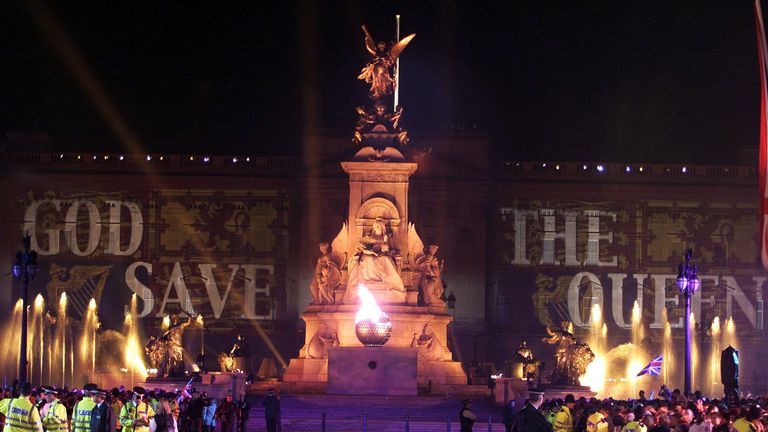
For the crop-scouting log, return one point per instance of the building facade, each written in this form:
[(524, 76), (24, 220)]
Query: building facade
[(525, 244)]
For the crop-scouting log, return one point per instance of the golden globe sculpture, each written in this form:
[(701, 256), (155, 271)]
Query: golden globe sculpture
[(372, 326)]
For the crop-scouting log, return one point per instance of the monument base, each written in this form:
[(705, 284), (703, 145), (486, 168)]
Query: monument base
[(440, 372), (306, 370), (552, 391), (372, 371), (216, 384)]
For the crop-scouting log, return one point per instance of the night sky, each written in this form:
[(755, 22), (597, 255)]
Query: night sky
[(545, 80)]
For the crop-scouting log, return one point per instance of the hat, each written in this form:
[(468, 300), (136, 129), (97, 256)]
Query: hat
[(569, 398), (139, 391), (466, 401), (50, 390), (270, 392), (90, 387), (536, 392), (26, 388), (99, 392), (115, 392)]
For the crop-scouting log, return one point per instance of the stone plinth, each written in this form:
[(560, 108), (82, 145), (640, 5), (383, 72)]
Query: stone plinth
[(508, 389), (216, 384), (440, 372), (559, 391), (306, 370), (406, 320), (372, 371)]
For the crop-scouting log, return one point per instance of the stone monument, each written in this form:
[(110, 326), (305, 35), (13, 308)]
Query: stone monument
[(379, 249)]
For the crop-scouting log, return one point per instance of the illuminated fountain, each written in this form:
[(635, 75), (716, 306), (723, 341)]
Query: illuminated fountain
[(10, 352), (36, 341), (694, 354), (668, 359), (595, 376), (713, 379), (87, 355), (729, 336), (60, 339), (133, 352), (637, 358)]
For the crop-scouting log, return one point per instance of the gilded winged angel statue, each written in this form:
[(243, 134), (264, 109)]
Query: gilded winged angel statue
[(380, 71)]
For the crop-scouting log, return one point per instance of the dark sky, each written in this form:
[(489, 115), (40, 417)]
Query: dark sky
[(565, 80)]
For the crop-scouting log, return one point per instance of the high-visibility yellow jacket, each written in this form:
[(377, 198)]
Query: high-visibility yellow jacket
[(21, 415), (55, 419), (634, 426), (742, 425), (597, 423), (117, 406), (130, 414), (563, 420), (81, 415)]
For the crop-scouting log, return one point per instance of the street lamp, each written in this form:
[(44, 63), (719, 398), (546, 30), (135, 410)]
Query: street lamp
[(24, 270), (688, 283)]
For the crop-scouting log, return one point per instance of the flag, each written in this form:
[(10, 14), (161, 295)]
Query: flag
[(763, 162), (185, 394), (653, 368)]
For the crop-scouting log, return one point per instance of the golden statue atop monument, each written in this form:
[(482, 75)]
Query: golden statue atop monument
[(381, 70), (377, 127)]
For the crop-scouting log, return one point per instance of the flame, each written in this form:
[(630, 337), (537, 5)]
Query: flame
[(166, 323), (369, 310), (199, 320)]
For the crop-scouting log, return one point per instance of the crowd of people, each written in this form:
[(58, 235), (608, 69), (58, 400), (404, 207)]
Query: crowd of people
[(90, 409), (671, 411)]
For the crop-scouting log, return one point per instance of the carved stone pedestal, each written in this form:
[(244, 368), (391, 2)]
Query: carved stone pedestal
[(372, 371), (406, 321), (336, 323), (306, 370), (440, 372)]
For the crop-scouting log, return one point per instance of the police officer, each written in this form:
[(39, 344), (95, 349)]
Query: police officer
[(54, 413), (598, 421), (20, 413), (136, 414), (530, 419), (117, 405), (564, 417), (244, 412), (466, 417), (102, 416), (81, 413), (747, 422)]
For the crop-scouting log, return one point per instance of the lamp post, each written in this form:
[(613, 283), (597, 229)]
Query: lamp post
[(688, 283), (24, 270)]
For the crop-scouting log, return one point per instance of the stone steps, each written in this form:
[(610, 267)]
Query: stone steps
[(345, 413)]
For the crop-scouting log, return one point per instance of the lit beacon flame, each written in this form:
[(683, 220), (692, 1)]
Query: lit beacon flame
[(369, 310), (372, 326)]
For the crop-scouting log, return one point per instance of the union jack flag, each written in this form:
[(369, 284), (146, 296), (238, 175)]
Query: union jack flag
[(653, 368), (186, 392)]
